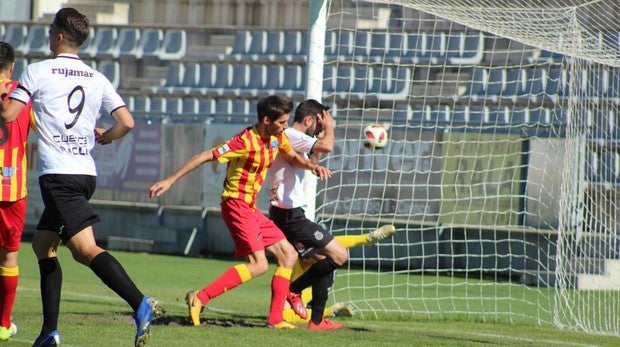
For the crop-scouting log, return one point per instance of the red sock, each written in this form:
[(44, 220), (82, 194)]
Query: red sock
[(279, 288), (8, 286), (227, 281)]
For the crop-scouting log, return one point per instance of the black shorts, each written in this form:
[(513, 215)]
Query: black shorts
[(67, 210), (306, 236)]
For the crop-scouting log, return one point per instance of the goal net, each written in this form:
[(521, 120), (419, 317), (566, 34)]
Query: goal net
[(502, 169)]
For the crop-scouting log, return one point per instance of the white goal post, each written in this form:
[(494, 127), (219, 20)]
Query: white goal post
[(502, 171)]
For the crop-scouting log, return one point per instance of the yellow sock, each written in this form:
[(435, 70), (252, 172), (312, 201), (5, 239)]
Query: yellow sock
[(350, 241)]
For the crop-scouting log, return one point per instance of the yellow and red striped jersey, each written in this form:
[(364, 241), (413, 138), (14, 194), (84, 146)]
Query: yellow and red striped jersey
[(249, 157), (13, 140)]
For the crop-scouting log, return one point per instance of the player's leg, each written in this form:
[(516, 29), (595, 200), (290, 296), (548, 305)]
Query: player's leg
[(44, 244), (319, 298), (243, 228), (350, 241), (12, 217)]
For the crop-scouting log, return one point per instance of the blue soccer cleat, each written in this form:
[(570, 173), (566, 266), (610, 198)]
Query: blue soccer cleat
[(51, 339), (143, 317)]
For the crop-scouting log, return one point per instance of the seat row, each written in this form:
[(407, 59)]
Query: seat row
[(535, 83), (103, 42), (603, 168), (361, 45), (144, 105), (387, 82)]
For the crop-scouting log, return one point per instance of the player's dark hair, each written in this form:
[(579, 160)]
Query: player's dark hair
[(72, 24), (308, 107), (273, 107), (7, 55)]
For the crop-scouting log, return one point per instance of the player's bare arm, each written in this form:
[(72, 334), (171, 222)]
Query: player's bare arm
[(10, 108), (162, 186), (297, 160), (124, 124), (325, 143)]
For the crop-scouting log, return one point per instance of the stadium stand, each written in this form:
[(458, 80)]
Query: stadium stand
[(37, 41), (174, 45), (16, 35), (150, 43), (126, 44)]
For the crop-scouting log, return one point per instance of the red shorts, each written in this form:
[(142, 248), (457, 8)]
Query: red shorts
[(12, 218), (250, 229)]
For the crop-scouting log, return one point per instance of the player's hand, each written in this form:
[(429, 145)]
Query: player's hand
[(322, 172), (4, 91), (325, 120), (159, 188), (99, 136)]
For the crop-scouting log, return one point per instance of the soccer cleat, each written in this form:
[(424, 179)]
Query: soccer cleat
[(5, 333), (283, 325), (340, 309), (194, 306), (380, 234), (324, 325), (51, 339), (147, 310), (294, 299)]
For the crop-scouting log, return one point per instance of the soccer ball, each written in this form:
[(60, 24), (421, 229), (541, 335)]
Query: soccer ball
[(375, 136)]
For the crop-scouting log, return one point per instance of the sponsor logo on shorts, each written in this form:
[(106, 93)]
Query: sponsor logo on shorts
[(318, 235), (300, 247)]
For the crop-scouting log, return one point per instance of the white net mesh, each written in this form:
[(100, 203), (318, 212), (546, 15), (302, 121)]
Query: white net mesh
[(502, 169)]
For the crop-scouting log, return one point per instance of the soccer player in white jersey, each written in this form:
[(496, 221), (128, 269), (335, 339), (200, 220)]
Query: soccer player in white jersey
[(288, 201), (66, 97)]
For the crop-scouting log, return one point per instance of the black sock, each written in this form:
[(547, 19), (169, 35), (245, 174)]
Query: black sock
[(51, 284), (319, 297), (317, 271), (111, 272)]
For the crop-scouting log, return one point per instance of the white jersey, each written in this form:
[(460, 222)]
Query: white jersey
[(66, 97), (286, 181)]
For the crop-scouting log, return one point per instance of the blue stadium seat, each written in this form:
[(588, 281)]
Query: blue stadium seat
[(158, 105), (2, 31), (206, 106), (421, 116), (174, 76), (19, 67), (174, 106), (222, 78), (274, 78), (477, 83), (470, 48), (520, 116), (206, 76), (295, 46), (389, 82), (536, 78), (174, 45), (545, 56), (607, 168), (540, 116), (190, 80), (189, 106), (293, 82), (241, 44), (274, 45), (139, 104), (499, 115), (361, 45), (339, 44), (514, 83), (557, 84), (378, 45), (150, 44), (396, 47), (440, 115), (223, 107), (104, 43), (37, 42), (240, 108), (471, 116), (16, 35), (414, 47), (495, 83), (435, 49), (127, 43), (257, 79), (88, 45), (112, 70), (258, 45), (605, 126)]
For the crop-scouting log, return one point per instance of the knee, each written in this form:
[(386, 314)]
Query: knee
[(340, 258)]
